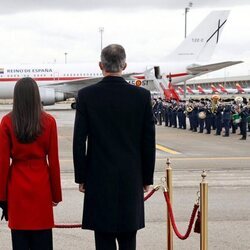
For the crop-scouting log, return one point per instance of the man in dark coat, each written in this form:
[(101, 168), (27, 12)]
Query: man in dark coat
[(116, 167)]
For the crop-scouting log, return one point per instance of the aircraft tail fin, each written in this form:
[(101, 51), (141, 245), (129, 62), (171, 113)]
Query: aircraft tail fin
[(200, 44)]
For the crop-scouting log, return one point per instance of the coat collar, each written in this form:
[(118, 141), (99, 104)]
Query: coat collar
[(114, 80)]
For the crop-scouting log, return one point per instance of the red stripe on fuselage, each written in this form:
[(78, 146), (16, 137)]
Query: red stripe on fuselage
[(45, 79)]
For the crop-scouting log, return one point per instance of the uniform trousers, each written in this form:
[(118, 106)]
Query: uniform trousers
[(32, 239), (107, 241)]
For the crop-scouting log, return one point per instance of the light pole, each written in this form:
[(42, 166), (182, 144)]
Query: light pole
[(185, 35), (65, 57), (101, 30)]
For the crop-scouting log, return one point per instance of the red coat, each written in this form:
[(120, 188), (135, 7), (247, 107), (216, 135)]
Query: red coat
[(30, 176)]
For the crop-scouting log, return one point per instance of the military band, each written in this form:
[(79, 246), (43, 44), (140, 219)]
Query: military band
[(205, 115)]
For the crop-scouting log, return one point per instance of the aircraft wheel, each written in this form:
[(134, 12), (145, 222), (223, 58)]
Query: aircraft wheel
[(73, 105)]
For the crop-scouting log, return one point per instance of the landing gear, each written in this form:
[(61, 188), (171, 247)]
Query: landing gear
[(73, 105)]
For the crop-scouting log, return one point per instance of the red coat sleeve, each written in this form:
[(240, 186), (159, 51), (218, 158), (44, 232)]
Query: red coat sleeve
[(54, 167), (4, 158)]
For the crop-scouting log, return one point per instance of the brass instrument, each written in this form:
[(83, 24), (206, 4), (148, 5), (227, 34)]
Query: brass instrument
[(188, 110), (215, 103), (238, 100)]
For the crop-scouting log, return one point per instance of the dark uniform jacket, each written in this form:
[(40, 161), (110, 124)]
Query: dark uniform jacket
[(116, 120)]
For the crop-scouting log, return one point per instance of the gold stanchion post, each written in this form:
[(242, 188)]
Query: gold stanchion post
[(170, 193), (204, 212)]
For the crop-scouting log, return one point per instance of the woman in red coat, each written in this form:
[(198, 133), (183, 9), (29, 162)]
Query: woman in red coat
[(29, 169)]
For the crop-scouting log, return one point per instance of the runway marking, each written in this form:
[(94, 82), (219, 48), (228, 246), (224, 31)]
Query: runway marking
[(209, 158), (166, 150)]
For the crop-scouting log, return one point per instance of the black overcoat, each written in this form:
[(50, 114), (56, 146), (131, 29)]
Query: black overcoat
[(115, 120)]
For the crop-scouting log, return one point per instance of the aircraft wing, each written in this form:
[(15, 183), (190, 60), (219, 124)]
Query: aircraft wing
[(201, 69), (74, 86)]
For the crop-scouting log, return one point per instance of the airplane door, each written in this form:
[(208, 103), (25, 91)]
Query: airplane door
[(56, 76)]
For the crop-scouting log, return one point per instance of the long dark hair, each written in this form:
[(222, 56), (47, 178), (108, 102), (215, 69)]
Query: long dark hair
[(27, 109)]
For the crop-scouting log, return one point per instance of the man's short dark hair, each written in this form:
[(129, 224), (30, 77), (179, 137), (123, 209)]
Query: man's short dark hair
[(113, 58)]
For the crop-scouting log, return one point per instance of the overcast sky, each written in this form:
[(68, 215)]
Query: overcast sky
[(41, 31)]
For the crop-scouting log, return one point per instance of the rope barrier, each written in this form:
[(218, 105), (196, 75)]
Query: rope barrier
[(156, 188), (150, 194), (171, 215)]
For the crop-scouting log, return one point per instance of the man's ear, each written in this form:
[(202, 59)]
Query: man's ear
[(100, 65), (125, 66)]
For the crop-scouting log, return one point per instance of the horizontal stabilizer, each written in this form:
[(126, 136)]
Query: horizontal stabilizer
[(201, 69)]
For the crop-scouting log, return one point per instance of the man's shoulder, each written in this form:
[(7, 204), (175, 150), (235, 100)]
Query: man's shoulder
[(132, 88), (88, 89), (141, 91)]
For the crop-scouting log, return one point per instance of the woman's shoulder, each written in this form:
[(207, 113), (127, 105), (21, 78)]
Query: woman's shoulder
[(48, 117), (6, 119)]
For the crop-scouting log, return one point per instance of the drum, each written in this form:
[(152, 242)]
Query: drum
[(202, 115), (236, 118)]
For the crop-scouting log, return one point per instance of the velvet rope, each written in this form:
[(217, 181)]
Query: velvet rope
[(149, 194), (171, 215)]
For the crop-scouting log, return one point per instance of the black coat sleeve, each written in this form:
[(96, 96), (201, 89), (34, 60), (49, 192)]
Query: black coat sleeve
[(148, 144), (79, 141)]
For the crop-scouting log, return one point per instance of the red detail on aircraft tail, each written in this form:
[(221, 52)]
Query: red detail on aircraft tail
[(239, 88), (223, 89), (181, 90), (201, 90), (214, 89), (189, 90)]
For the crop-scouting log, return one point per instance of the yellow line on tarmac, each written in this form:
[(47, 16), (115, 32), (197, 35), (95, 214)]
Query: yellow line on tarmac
[(167, 150)]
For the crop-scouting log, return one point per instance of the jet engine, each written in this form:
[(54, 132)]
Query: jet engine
[(50, 96)]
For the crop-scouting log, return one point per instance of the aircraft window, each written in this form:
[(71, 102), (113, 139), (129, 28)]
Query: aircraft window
[(67, 74)]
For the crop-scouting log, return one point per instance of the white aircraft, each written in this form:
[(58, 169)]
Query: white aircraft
[(60, 82)]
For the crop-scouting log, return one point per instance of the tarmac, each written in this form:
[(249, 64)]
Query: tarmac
[(226, 160)]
